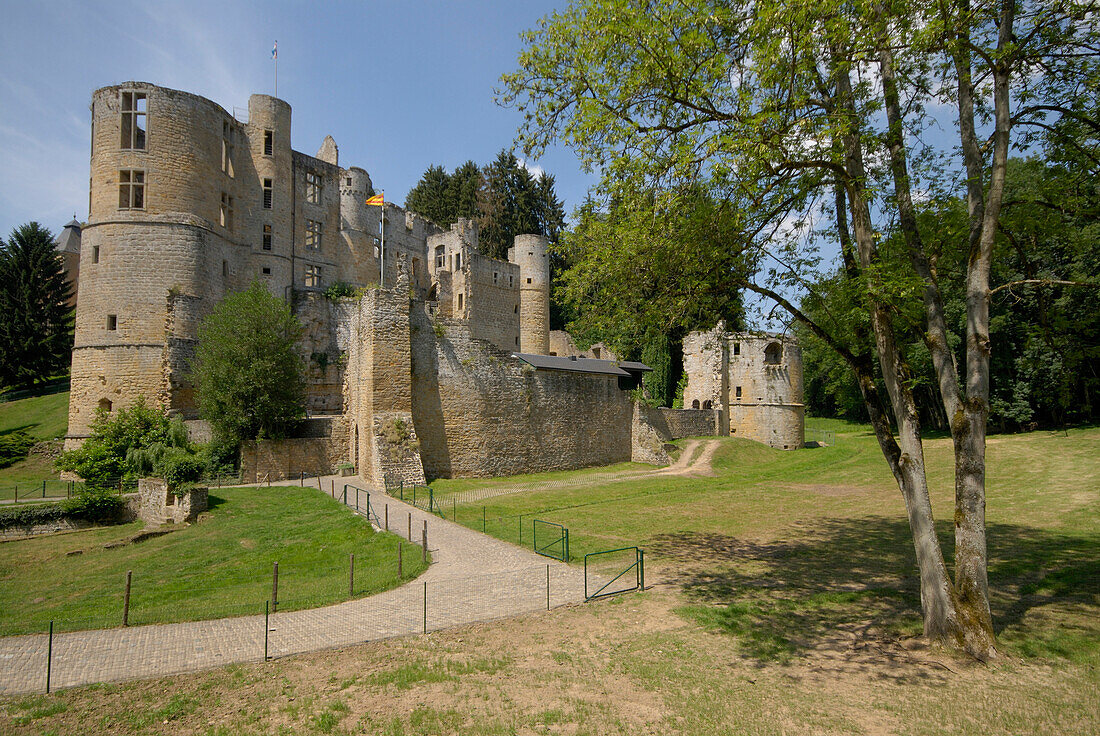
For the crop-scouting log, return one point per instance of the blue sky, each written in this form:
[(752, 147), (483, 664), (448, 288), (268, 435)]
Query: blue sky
[(399, 85)]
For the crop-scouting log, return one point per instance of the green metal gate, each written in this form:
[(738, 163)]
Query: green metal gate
[(550, 540), (613, 571)]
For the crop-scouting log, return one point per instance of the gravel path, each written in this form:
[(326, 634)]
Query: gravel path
[(473, 577)]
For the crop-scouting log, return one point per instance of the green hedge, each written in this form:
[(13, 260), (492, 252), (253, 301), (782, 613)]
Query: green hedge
[(89, 505), (31, 515)]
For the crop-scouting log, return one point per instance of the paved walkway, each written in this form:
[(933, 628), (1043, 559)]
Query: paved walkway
[(473, 577)]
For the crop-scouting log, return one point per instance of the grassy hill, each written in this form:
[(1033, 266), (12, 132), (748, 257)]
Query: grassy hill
[(42, 417)]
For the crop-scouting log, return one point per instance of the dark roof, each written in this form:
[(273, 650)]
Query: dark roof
[(69, 239), (581, 365)]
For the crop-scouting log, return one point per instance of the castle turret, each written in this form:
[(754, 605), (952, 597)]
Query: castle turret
[(355, 188), (530, 254)]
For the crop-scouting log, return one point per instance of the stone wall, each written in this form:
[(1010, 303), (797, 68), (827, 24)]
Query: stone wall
[(158, 505), (692, 422), (649, 434), (480, 412), (275, 460)]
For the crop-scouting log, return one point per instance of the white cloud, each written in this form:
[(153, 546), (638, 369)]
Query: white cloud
[(533, 169)]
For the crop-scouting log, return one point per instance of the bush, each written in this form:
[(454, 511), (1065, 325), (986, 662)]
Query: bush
[(122, 445), (180, 469), (94, 462), (30, 515), (14, 447), (340, 290), (93, 504)]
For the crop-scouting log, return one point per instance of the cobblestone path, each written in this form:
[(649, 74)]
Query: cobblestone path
[(473, 577)]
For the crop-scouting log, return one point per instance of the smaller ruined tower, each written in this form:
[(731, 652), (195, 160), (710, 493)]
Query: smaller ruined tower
[(530, 254)]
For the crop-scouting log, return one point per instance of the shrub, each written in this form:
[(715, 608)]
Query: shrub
[(93, 504), (122, 445), (340, 290), (14, 447), (180, 469), (30, 515)]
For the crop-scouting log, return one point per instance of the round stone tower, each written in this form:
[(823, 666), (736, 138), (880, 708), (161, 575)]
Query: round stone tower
[(530, 254), (355, 187)]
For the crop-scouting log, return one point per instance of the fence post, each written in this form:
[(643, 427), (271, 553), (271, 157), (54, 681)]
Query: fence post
[(49, 659), (302, 479), (424, 543), (566, 560), (319, 484), (126, 600), (43, 489), (267, 627), (482, 519), (454, 509), (641, 569), (425, 606), (410, 527), (548, 586), (275, 588), (387, 516), (400, 571), (17, 493), (351, 575)]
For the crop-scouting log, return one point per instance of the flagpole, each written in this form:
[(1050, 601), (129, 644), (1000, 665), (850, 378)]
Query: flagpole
[(382, 251), (275, 56)]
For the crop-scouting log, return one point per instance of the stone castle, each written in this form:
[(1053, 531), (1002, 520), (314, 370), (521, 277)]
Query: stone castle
[(444, 366)]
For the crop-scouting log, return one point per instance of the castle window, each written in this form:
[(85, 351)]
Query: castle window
[(112, 322), (773, 354), (267, 271), (227, 148), (133, 120), (269, 142), (227, 211), (267, 237), (706, 404), (225, 268), (131, 189), (510, 284), (95, 254), (595, 353), (515, 309), (440, 256), (737, 393), (460, 301), (495, 277), (313, 276), (313, 188), (458, 261), (695, 404), (737, 348), (313, 234), (268, 194), (349, 181), (105, 405), (528, 280)]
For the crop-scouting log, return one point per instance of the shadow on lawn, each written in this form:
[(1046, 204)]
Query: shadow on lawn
[(786, 597)]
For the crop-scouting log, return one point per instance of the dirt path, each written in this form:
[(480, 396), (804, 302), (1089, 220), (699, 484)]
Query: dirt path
[(473, 577)]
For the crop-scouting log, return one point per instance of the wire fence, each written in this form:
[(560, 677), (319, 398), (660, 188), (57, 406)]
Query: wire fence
[(60, 656), (821, 437)]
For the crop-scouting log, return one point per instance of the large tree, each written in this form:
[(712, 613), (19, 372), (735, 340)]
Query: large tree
[(249, 379), (36, 323), (782, 105)]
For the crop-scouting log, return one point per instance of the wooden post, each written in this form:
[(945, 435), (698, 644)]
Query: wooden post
[(424, 543), (400, 570), (275, 588), (319, 484), (126, 599), (410, 527), (387, 517), (351, 575)]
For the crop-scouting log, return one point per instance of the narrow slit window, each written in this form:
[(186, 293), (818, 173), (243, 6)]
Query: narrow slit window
[(95, 254), (737, 348), (227, 211), (737, 393), (133, 121), (495, 277), (268, 193), (269, 142), (313, 234), (267, 237), (227, 148), (131, 189), (225, 268), (313, 188), (112, 322), (460, 301)]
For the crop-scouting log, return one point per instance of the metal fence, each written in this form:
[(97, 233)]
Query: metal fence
[(61, 657), (822, 437)]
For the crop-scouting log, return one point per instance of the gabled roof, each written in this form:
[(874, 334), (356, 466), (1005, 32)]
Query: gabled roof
[(582, 365)]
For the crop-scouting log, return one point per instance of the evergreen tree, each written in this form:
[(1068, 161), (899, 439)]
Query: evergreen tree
[(431, 197), (36, 337)]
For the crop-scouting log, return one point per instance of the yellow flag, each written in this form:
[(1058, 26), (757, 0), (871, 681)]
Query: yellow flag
[(377, 200)]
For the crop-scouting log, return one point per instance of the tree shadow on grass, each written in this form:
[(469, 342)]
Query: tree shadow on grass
[(213, 502), (784, 598)]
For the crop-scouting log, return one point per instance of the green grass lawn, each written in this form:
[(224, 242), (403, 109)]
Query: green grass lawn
[(220, 566), (44, 418), (781, 546)]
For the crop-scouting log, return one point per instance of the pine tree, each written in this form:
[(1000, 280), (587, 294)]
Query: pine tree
[(36, 324)]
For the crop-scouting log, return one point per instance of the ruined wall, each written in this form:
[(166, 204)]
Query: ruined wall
[(324, 343), (649, 435), (274, 460), (755, 378), (692, 422), (479, 412), (562, 343)]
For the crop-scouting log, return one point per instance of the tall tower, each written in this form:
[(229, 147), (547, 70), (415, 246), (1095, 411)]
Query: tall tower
[(530, 254)]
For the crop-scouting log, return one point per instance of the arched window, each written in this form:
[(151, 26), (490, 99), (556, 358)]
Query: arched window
[(773, 354), (706, 404), (695, 404), (105, 404)]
